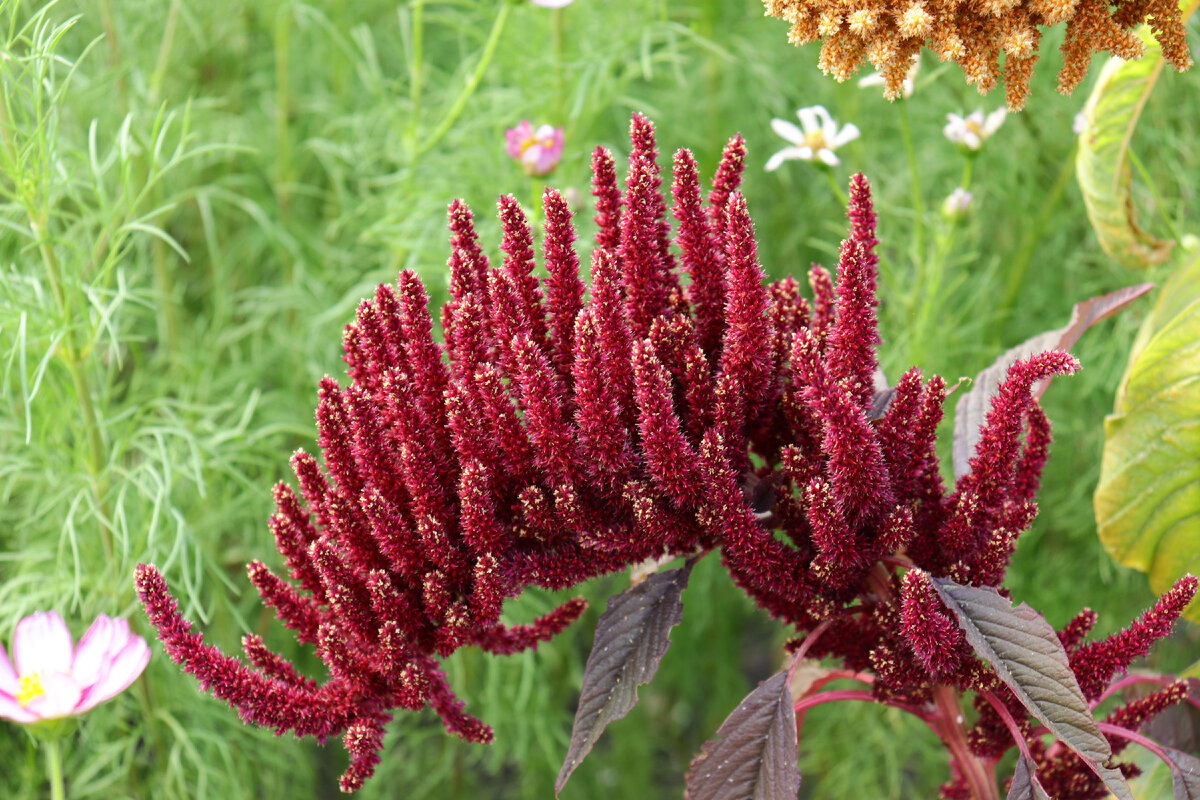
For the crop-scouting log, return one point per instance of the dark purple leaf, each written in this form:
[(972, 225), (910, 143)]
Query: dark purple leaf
[(973, 406), (1178, 726), (1185, 774), (631, 638), (1027, 655), (753, 755), (1025, 785)]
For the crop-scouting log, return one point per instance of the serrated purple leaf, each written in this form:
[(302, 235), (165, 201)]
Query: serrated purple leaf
[(1178, 726), (1025, 785), (753, 754), (1185, 774), (1027, 655), (632, 636), (972, 407)]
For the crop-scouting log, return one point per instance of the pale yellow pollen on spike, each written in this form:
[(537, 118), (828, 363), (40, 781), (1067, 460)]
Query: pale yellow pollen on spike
[(862, 20), (915, 21), (1018, 43), (830, 22), (31, 688)]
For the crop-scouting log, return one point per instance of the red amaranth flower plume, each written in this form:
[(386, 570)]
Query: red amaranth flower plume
[(561, 431)]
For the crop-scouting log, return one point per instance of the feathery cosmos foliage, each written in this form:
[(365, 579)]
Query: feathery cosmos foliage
[(890, 34), (564, 431)]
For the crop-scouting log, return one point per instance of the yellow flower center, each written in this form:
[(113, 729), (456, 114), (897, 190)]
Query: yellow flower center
[(816, 140), (975, 128), (31, 689)]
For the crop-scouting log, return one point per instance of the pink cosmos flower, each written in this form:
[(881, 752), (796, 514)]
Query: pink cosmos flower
[(539, 151), (55, 678)]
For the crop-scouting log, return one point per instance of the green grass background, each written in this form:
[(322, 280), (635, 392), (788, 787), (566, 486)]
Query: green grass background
[(219, 183)]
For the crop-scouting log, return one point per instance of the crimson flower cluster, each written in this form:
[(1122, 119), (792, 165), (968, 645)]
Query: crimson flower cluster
[(677, 405)]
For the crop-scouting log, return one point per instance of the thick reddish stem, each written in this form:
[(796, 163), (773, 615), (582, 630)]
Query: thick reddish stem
[(980, 777)]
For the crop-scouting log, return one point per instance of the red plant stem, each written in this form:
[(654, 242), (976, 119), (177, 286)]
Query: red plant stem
[(806, 645), (980, 777), (856, 694), (1137, 738), (1129, 680), (1013, 728)]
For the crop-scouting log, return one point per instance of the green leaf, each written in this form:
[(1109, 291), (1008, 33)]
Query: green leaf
[(1102, 163), (1148, 500), (1027, 655)]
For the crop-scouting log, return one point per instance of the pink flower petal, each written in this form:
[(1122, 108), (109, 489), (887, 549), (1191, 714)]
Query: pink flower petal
[(105, 637), (12, 710), (8, 675), (42, 644), (125, 668), (61, 696)]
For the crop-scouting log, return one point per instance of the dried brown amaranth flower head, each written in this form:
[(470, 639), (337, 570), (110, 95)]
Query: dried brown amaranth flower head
[(888, 33)]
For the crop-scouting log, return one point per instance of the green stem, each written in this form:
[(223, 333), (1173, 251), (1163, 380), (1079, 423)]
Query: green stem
[(54, 771), (917, 200), (968, 166), (833, 184), (283, 149), (460, 104), (73, 358), (416, 72), (164, 52), (560, 79), (1033, 234)]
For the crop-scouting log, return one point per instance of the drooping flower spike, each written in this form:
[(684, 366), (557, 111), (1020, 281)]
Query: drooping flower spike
[(977, 36), (50, 676)]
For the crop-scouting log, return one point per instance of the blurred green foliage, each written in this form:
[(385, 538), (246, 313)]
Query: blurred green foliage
[(193, 198)]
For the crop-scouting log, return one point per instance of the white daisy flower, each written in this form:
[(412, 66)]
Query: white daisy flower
[(972, 131), (815, 140), (910, 79)]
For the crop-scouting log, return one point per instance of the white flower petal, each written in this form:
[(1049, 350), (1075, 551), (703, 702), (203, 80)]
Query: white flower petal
[(544, 132), (808, 119), (827, 156), (805, 153), (954, 132), (976, 117), (972, 140), (874, 79), (42, 644), (994, 121), (847, 134), (787, 130), (786, 154)]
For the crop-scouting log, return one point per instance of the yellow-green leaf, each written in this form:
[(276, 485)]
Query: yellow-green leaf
[(1102, 164), (1148, 500)]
